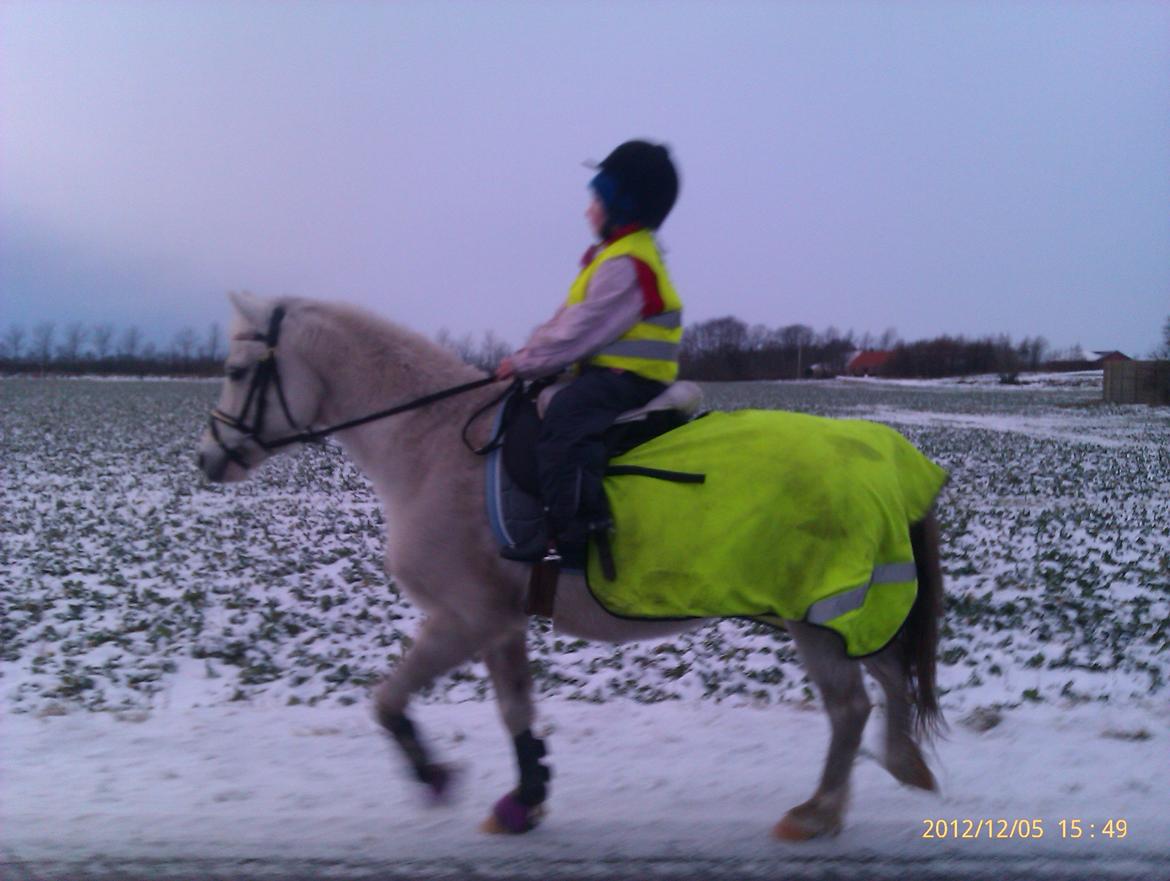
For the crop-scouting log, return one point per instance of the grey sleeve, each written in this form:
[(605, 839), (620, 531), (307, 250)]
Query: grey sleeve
[(612, 305)]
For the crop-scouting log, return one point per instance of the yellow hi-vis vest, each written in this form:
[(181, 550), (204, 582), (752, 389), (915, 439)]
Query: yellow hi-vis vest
[(650, 347)]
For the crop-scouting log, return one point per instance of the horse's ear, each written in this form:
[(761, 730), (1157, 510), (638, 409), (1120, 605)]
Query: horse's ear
[(254, 310)]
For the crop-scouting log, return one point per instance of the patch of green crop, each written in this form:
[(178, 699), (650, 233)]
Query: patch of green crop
[(126, 578)]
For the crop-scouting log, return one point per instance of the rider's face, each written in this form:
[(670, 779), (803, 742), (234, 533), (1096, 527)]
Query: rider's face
[(595, 214)]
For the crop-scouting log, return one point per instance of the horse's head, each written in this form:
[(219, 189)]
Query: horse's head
[(269, 393)]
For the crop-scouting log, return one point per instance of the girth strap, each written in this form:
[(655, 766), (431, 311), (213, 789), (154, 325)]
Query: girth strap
[(658, 473)]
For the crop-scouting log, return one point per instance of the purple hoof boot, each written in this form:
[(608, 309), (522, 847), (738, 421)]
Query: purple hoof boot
[(516, 817)]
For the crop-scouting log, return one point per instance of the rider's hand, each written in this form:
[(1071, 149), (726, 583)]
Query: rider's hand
[(505, 370)]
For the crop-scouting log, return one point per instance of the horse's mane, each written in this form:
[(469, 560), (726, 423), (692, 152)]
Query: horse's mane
[(380, 347)]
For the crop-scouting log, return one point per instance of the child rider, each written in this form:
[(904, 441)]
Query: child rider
[(618, 331)]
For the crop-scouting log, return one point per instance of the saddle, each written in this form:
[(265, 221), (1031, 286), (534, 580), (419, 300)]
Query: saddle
[(515, 512), (523, 411)]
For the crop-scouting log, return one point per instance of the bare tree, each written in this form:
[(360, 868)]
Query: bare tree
[(491, 351), (793, 335), (184, 344), (213, 343), (888, 339), (798, 338), (759, 336), (131, 342), (1032, 351), (727, 334), (74, 339), (1163, 351), (14, 341), (486, 355), (1007, 360), (102, 336), (463, 347), (42, 342)]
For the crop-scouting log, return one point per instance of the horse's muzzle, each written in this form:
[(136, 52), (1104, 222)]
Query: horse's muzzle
[(216, 464), (212, 466)]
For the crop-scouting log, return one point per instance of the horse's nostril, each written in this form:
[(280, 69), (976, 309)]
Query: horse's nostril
[(199, 461)]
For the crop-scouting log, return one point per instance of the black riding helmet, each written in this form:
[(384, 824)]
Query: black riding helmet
[(645, 179)]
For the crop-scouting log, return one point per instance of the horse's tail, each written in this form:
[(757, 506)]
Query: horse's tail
[(921, 630)]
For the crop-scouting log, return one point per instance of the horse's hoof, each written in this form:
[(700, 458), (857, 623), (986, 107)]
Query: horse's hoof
[(795, 828), (913, 771), (921, 779), (510, 816), (789, 829), (492, 826)]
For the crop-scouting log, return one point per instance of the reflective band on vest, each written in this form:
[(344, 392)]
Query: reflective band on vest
[(650, 347), (824, 611)]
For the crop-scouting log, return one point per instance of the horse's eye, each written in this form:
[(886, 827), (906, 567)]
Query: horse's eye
[(235, 374)]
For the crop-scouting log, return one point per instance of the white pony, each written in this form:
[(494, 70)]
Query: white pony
[(297, 368)]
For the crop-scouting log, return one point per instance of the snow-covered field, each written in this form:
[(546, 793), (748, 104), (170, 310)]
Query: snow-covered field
[(183, 668)]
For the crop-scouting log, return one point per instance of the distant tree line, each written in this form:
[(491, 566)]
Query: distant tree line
[(958, 356), (728, 349), (76, 348), (720, 349)]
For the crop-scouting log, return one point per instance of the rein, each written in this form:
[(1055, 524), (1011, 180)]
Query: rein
[(267, 374)]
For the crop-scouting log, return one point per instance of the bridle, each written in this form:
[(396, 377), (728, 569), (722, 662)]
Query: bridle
[(266, 374)]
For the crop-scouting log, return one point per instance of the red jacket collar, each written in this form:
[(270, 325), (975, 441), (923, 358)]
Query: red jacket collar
[(620, 233)]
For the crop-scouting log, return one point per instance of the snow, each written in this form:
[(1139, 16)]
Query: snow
[(1037, 427), (111, 377), (692, 781), (1076, 379), (184, 669)]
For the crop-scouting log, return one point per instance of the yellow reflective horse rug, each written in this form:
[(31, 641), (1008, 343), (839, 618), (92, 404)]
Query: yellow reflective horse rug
[(798, 517)]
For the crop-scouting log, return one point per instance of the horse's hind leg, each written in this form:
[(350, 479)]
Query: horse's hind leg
[(903, 756), (519, 810), (839, 681)]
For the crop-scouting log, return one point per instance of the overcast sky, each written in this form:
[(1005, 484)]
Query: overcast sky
[(936, 167)]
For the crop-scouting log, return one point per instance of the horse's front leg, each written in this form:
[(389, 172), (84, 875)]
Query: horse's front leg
[(442, 644), (522, 808)]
